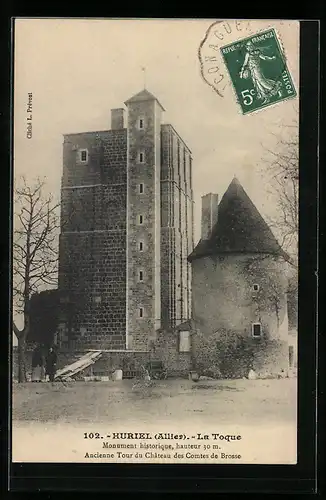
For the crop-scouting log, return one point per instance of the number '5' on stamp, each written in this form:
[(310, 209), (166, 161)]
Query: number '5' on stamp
[(258, 71)]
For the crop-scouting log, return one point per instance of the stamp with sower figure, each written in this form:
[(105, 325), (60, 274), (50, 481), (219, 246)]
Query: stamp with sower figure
[(258, 71)]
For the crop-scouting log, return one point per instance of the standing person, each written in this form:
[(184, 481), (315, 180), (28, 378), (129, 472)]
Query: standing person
[(42, 375), (51, 363), (37, 364)]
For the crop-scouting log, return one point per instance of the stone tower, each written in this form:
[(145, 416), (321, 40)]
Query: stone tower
[(126, 231), (177, 231), (92, 253), (143, 282), (240, 279)]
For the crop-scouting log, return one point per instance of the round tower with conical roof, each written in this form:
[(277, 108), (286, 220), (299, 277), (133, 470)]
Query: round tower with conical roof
[(239, 282)]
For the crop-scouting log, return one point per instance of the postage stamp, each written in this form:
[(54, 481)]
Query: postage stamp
[(258, 71)]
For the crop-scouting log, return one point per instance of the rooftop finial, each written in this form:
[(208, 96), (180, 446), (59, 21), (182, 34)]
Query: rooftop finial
[(144, 75)]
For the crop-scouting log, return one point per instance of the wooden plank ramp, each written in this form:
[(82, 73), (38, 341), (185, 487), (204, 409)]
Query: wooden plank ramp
[(77, 366)]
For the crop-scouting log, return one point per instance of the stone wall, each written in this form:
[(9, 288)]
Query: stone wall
[(224, 299), (130, 362), (224, 295), (176, 228), (166, 349), (92, 255), (75, 172), (271, 358), (143, 295), (100, 257)]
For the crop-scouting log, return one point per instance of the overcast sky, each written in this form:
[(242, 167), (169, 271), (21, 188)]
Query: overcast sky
[(77, 70)]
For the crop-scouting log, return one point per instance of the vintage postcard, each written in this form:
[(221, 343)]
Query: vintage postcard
[(155, 245)]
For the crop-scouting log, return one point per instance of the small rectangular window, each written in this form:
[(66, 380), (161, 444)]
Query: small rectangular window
[(141, 123), (141, 188), (184, 341), (141, 157), (141, 219), (255, 287), (141, 246), (83, 155), (256, 330), (141, 276), (141, 312)]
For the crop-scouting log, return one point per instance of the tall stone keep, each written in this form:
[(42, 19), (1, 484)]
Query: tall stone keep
[(126, 231)]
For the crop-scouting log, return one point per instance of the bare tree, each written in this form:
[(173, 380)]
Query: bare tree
[(35, 253), (282, 168)]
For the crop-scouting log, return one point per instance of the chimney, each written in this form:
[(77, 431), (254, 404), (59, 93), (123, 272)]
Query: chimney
[(209, 207), (117, 119)]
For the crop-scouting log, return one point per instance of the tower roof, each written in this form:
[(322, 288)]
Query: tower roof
[(142, 96), (239, 228)]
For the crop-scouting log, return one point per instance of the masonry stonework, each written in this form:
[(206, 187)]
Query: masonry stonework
[(176, 228), (225, 299), (143, 222), (130, 278), (240, 280), (126, 231), (226, 284), (92, 253)]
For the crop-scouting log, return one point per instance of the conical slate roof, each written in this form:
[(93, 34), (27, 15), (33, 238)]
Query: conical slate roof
[(142, 96), (239, 228)]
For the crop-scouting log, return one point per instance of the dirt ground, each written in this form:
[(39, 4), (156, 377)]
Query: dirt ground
[(238, 401), (50, 422)]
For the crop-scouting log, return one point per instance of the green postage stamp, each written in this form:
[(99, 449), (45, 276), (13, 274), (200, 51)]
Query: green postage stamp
[(258, 71)]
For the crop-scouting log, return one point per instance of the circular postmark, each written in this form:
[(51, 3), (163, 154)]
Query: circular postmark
[(247, 59)]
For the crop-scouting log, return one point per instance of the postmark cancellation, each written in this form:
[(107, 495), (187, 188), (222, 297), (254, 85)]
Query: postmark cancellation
[(247, 61)]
